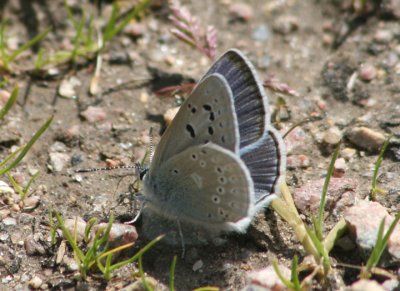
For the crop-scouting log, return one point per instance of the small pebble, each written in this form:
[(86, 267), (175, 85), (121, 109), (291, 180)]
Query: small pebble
[(298, 161), (366, 138), (94, 114), (135, 29), (266, 279), (77, 225), (169, 115), (327, 39), (32, 247), (365, 285), (367, 72), (383, 36), (35, 282), (286, 24), (197, 266), (391, 284), (363, 220), (151, 284), (67, 87), (242, 11), (57, 161), (70, 263), (332, 136), (118, 58), (120, 234), (340, 168), (72, 133), (348, 153), (9, 221), (328, 25), (144, 97), (61, 252), (261, 33), (341, 192), (4, 213), (296, 139), (30, 203), (5, 189), (4, 96)]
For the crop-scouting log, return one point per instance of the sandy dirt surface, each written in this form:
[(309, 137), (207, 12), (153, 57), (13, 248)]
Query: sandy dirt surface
[(315, 47)]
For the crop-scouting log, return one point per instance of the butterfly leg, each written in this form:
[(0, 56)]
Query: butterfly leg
[(182, 239), (138, 214)]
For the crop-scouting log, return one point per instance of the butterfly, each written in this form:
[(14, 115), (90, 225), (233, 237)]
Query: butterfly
[(220, 160)]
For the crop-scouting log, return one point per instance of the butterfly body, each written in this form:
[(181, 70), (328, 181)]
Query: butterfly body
[(219, 161)]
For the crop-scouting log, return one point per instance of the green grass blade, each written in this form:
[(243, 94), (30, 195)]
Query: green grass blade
[(142, 276), (29, 44), (78, 37), (111, 31), (138, 254), (70, 14), (107, 269), (319, 225), (27, 147), (10, 102), (15, 185), (326, 262), (378, 163), (11, 156), (53, 230), (172, 274), (335, 233), (381, 242), (2, 42), (295, 273), (111, 23), (88, 228), (26, 188), (278, 272), (70, 238), (100, 238)]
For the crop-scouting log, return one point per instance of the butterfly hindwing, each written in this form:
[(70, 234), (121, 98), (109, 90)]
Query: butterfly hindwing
[(265, 160), (206, 116), (205, 184)]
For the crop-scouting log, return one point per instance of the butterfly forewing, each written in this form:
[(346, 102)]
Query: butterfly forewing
[(206, 116), (251, 104), (206, 184)]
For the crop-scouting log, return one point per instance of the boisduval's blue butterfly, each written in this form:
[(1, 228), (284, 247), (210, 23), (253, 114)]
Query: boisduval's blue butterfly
[(220, 160)]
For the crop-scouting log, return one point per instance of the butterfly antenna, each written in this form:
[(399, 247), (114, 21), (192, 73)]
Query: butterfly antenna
[(301, 122), (136, 166), (151, 144)]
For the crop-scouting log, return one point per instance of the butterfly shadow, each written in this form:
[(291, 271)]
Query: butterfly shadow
[(217, 264)]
